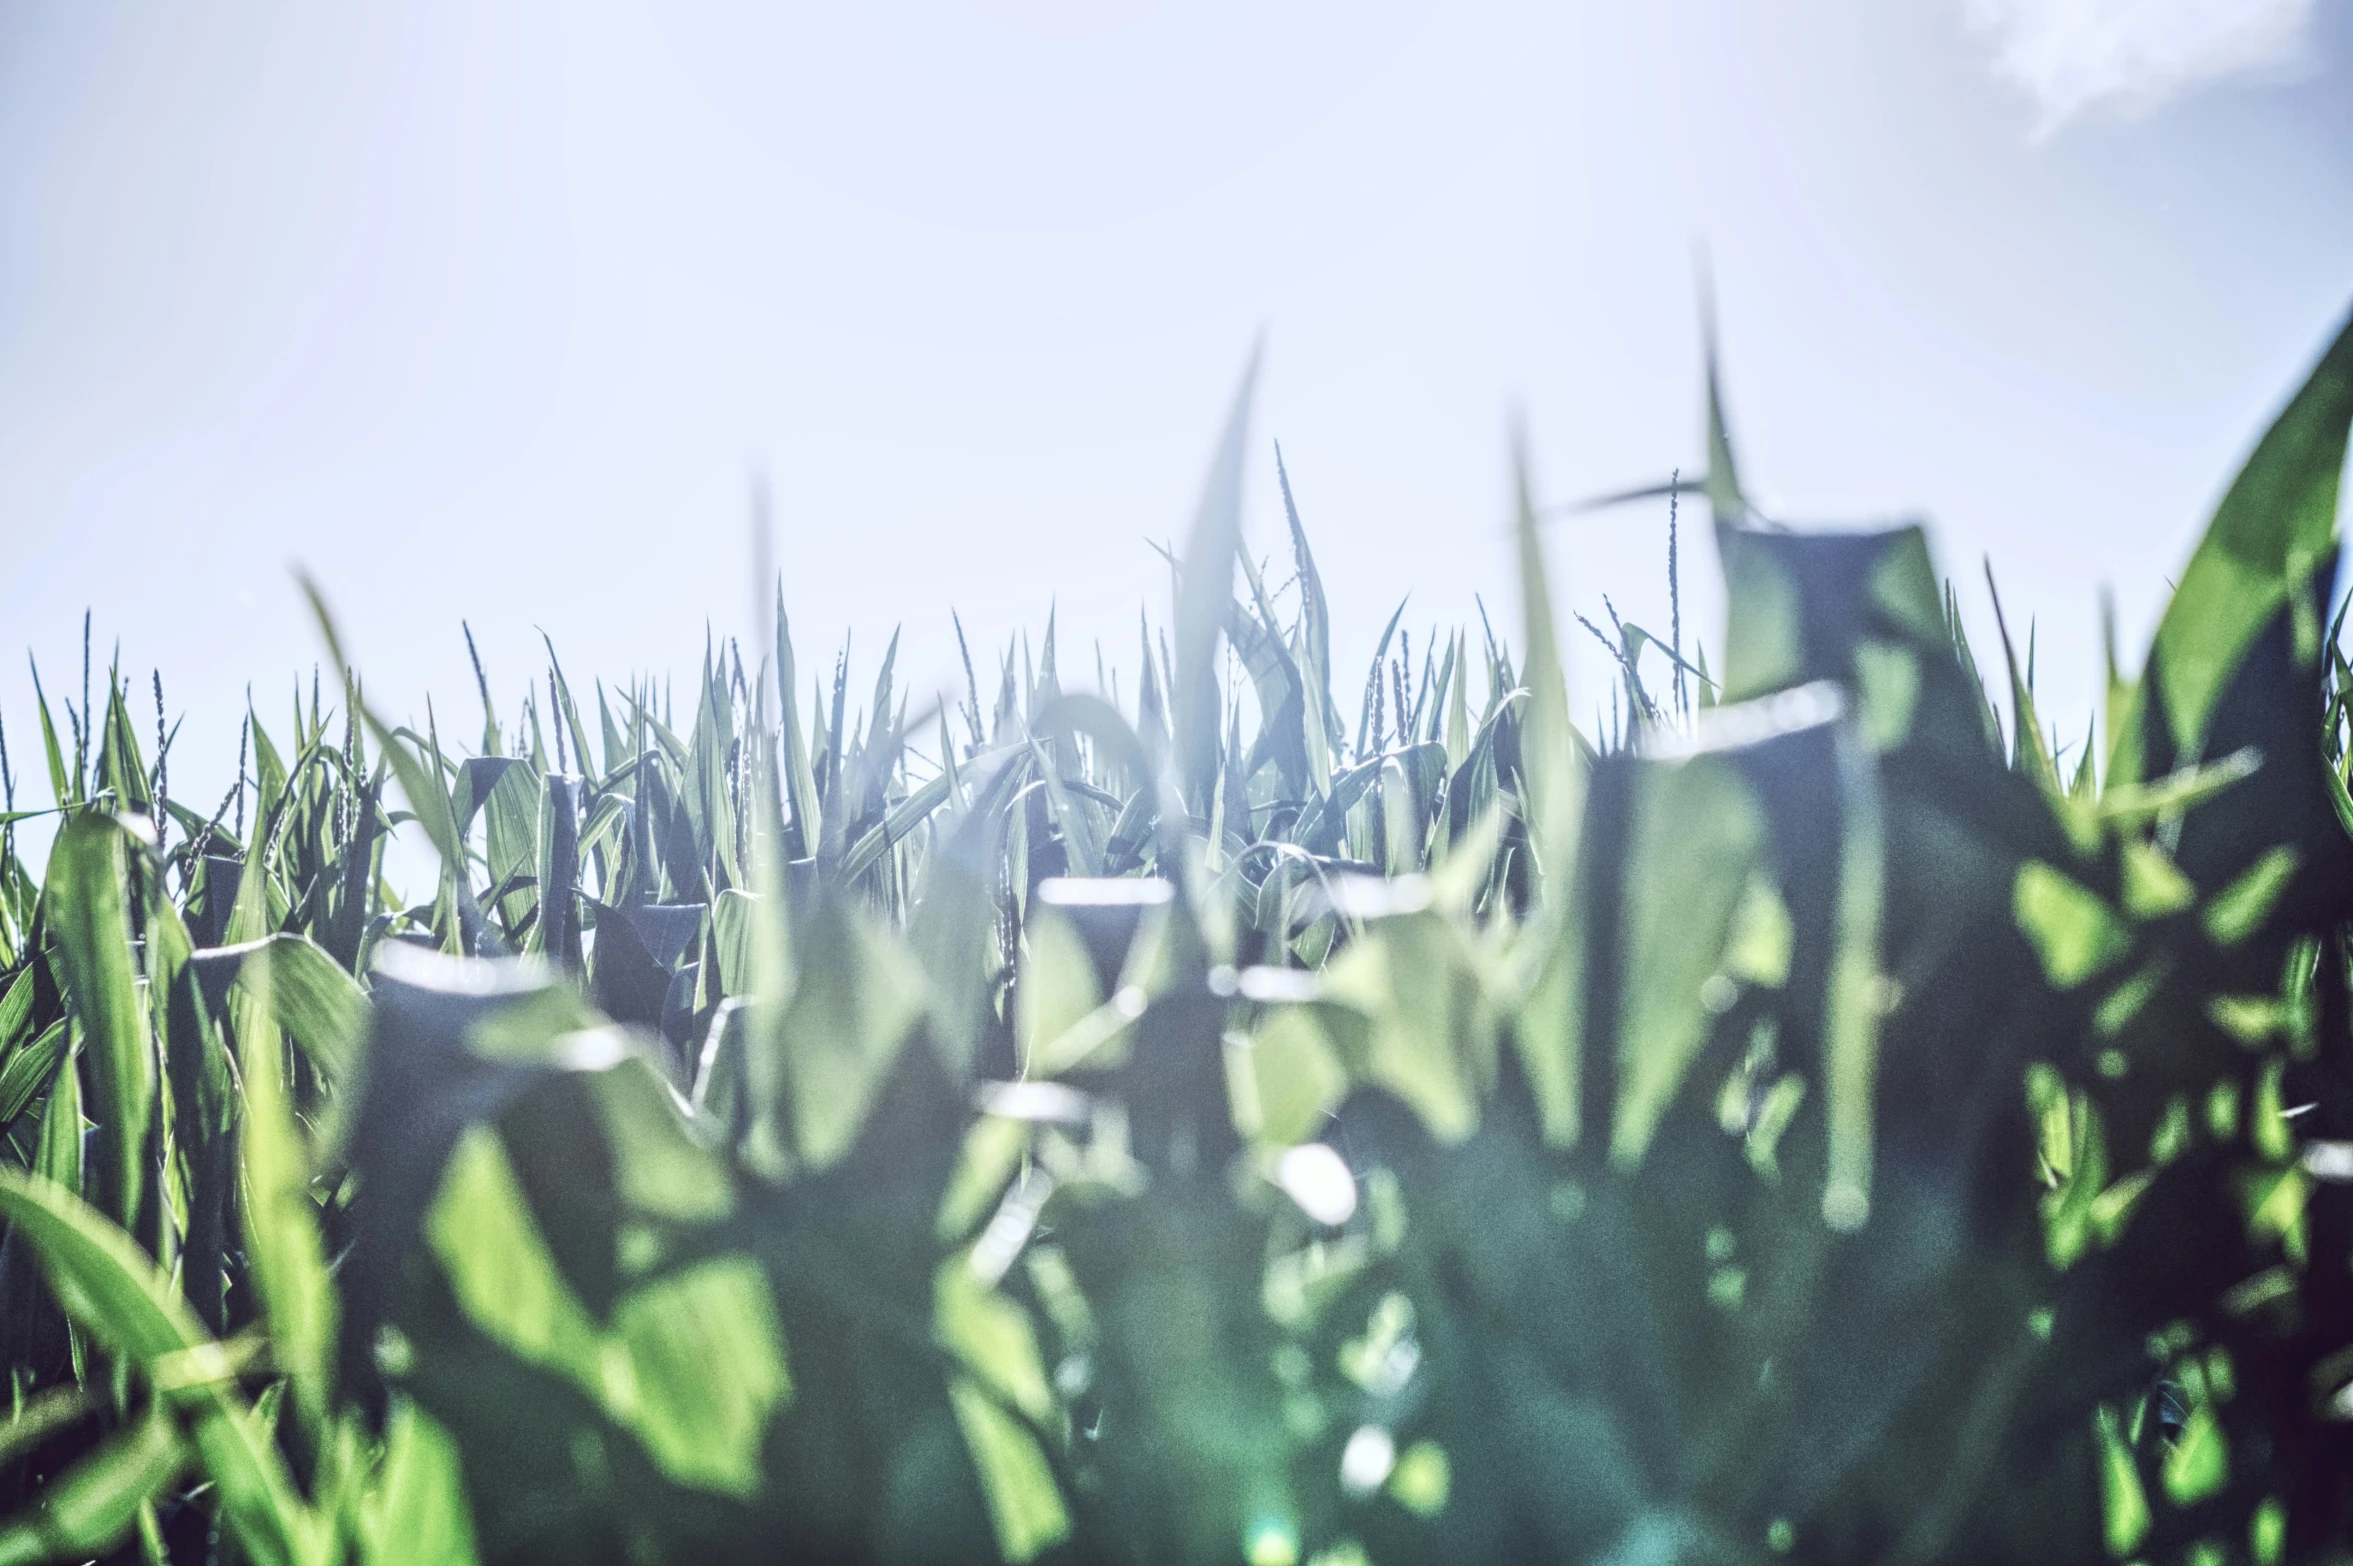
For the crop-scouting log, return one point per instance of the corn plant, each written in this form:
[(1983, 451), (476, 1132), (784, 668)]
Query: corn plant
[(1800, 1118)]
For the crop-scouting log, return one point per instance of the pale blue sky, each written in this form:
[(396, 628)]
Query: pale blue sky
[(492, 310)]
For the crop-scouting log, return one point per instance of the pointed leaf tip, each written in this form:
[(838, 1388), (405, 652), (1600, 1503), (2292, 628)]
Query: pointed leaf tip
[(1725, 496), (1204, 589)]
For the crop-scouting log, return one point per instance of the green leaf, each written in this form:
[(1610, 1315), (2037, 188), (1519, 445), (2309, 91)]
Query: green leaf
[(93, 1505), (2153, 885), (2072, 930), (1548, 1026), (1025, 1505), (1764, 631), (16, 1014), (57, 1155), (84, 893), (2275, 527), (1296, 1074), (281, 1224), (1432, 1036), (1695, 835), (510, 839), (416, 1513), (1551, 769), (993, 1151), (418, 780), (2124, 1505), (2267, 1532), (62, 790), (568, 714), (556, 863), (307, 993), (952, 929), (1057, 989), (734, 929), (1204, 590), (41, 1416), (2240, 908), (111, 1289), (98, 1274), (2030, 753), (663, 1172), (269, 776), (1722, 483), (29, 1069), (652, 1372), (902, 819), (119, 762), (992, 1336), (708, 794), (1319, 724), (1858, 995), (858, 997), (2199, 1464), (800, 780), (505, 1278), (706, 1372)]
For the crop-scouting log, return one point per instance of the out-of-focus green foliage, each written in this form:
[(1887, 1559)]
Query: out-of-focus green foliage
[(1807, 1120)]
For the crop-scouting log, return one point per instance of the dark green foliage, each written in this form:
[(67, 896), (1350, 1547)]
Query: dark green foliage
[(1801, 1122)]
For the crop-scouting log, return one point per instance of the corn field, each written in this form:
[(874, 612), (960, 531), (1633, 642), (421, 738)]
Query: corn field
[(1808, 1120)]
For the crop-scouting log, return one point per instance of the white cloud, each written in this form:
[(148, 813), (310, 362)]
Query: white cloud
[(2133, 55)]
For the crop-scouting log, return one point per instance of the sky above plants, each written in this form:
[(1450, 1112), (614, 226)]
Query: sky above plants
[(503, 313)]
